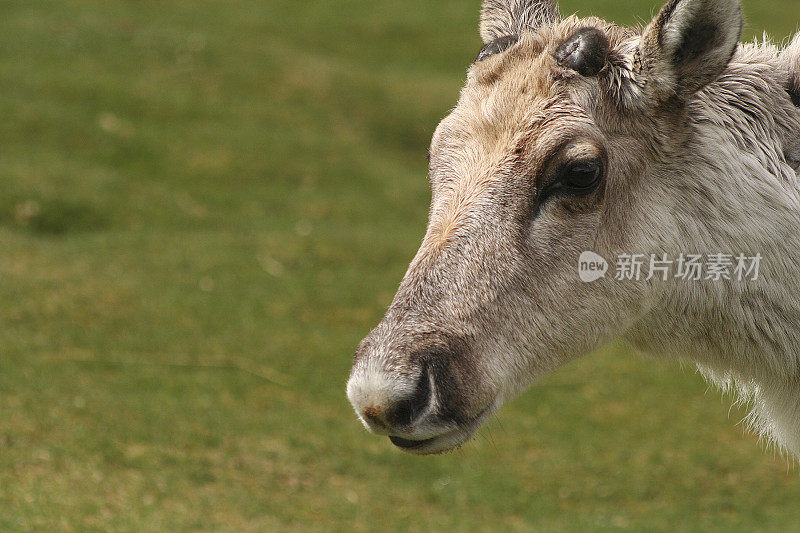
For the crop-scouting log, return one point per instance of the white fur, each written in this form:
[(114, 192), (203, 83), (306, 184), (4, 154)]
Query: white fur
[(744, 337)]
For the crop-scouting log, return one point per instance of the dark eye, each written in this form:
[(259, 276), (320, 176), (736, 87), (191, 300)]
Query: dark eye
[(495, 47), (581, 178)]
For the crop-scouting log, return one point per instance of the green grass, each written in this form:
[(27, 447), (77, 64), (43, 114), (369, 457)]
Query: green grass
[(204, 206)]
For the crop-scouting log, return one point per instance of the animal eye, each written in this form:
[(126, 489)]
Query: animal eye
[(582, 178), (495, 47)]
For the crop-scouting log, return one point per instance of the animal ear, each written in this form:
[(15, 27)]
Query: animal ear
[(688, 45), (500, 18)]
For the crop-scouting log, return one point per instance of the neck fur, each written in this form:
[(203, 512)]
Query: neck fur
[(744, 158)]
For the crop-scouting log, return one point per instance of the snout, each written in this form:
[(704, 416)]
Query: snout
[(409, 396), (398, 404), (393, 413)]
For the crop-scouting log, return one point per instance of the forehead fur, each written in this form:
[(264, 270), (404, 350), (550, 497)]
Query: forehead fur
[(542, 44), (502, 90), (510, 97), (520, 100)]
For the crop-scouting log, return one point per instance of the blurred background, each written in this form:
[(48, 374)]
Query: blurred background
[(204, 206)]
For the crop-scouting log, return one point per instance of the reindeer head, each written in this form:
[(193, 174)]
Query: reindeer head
[(550, 152)]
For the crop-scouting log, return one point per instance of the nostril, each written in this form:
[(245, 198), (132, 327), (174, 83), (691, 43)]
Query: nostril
[(373, 415), (409, 409)]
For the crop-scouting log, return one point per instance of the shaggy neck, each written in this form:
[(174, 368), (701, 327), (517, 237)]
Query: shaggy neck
[(741, 167), (734, 190)]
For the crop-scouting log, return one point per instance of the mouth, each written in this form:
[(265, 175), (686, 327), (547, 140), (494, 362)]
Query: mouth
[(445, 442), (409, 445), (435, 445)]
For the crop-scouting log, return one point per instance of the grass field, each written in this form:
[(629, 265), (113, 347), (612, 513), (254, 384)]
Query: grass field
[(204, 206)]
